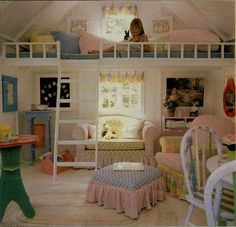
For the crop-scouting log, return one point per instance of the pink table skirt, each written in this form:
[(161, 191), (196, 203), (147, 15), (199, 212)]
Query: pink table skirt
[(123, 200)]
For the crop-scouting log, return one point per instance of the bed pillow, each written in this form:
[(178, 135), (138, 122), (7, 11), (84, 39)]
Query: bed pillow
[(89, 41), (69, 42), (193, 35), (43, 38), (158, 38), (92, 131)]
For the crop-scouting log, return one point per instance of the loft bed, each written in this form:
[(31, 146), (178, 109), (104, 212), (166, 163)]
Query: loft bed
[(159, 52)]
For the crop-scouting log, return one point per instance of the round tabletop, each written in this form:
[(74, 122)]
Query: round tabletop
[(215, 162), (21, 140)]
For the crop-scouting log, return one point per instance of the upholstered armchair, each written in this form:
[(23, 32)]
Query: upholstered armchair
[(169, 158)]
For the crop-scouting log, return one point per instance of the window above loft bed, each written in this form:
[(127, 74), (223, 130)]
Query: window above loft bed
[(121, 93), (116, 20)]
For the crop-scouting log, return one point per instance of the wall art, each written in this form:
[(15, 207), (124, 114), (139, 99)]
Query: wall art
[(9, 93), (48, 91), (187, 91)]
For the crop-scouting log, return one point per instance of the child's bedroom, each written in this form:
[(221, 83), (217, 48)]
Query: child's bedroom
[(117, 113)]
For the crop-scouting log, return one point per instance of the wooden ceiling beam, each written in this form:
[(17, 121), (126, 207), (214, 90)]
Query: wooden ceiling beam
[(7, 37), (28, 25)]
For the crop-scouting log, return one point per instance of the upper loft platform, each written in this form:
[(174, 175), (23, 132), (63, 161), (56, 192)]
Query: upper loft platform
[(125, 53)]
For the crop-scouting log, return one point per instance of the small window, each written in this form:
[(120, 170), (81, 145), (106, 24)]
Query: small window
[(117, 20), (121, 94)]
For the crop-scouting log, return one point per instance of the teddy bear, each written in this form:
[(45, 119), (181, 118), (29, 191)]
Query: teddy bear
[(107, 133)]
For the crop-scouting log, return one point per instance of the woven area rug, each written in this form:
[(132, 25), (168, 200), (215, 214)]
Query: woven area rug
[(65, 205)]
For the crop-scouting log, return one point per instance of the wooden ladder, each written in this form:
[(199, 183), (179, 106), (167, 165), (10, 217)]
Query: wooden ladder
[(62, 121)]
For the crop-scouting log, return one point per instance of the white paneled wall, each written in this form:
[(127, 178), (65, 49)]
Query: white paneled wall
[(155, 83)]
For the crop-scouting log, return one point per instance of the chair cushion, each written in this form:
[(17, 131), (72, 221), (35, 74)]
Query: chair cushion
[(129, 179), (170, 160), (116, 153), (170, 144), (118, 144)]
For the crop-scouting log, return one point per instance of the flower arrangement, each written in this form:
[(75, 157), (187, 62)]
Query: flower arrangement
[(170, 102)]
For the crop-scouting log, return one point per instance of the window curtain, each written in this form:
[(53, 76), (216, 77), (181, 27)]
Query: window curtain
[(119, 77), (126, 10)]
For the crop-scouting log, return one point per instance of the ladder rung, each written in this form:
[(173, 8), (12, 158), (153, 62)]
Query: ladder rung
[(75, 142), (76, 164), (78, 81), (77, 121), (77, 100)]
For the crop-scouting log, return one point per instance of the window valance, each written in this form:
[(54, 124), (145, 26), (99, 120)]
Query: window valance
[(119, 77), (113, 10)]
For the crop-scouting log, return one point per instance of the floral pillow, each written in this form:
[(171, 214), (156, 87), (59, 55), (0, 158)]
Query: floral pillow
[(112, 129), (43, 38), (133, 130)]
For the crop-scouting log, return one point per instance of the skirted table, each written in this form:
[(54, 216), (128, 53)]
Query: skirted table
[(11, 185), (126, 191)]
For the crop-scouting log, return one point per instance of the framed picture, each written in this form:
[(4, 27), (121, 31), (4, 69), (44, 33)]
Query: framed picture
[(48, 91), (77, 24), (162, 25), (9, 93), (187, 91)]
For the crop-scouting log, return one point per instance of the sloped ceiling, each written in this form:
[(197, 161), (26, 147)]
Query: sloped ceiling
[(19, 19), (217, 16)]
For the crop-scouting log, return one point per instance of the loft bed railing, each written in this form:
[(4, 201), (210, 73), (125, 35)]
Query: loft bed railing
[(43, 50), (127, 50), (166, 50)]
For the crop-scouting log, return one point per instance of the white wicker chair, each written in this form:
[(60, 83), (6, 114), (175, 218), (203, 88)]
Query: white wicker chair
[(215, 181), (196, 147)]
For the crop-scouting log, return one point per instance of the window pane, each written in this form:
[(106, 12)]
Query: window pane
[(115, 26)]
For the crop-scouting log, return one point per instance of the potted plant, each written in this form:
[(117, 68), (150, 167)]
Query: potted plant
[(170, 105)]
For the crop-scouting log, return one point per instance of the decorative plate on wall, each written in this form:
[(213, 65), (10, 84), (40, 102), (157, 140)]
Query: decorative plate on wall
[(229, 98)]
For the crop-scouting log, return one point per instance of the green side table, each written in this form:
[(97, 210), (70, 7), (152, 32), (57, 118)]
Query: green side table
[(11, 185)]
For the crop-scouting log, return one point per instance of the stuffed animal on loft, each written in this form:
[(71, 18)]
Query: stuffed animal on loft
[(126, 36), (107, 133)]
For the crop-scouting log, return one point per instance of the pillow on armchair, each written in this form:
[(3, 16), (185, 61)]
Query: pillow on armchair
[(122, 127)]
